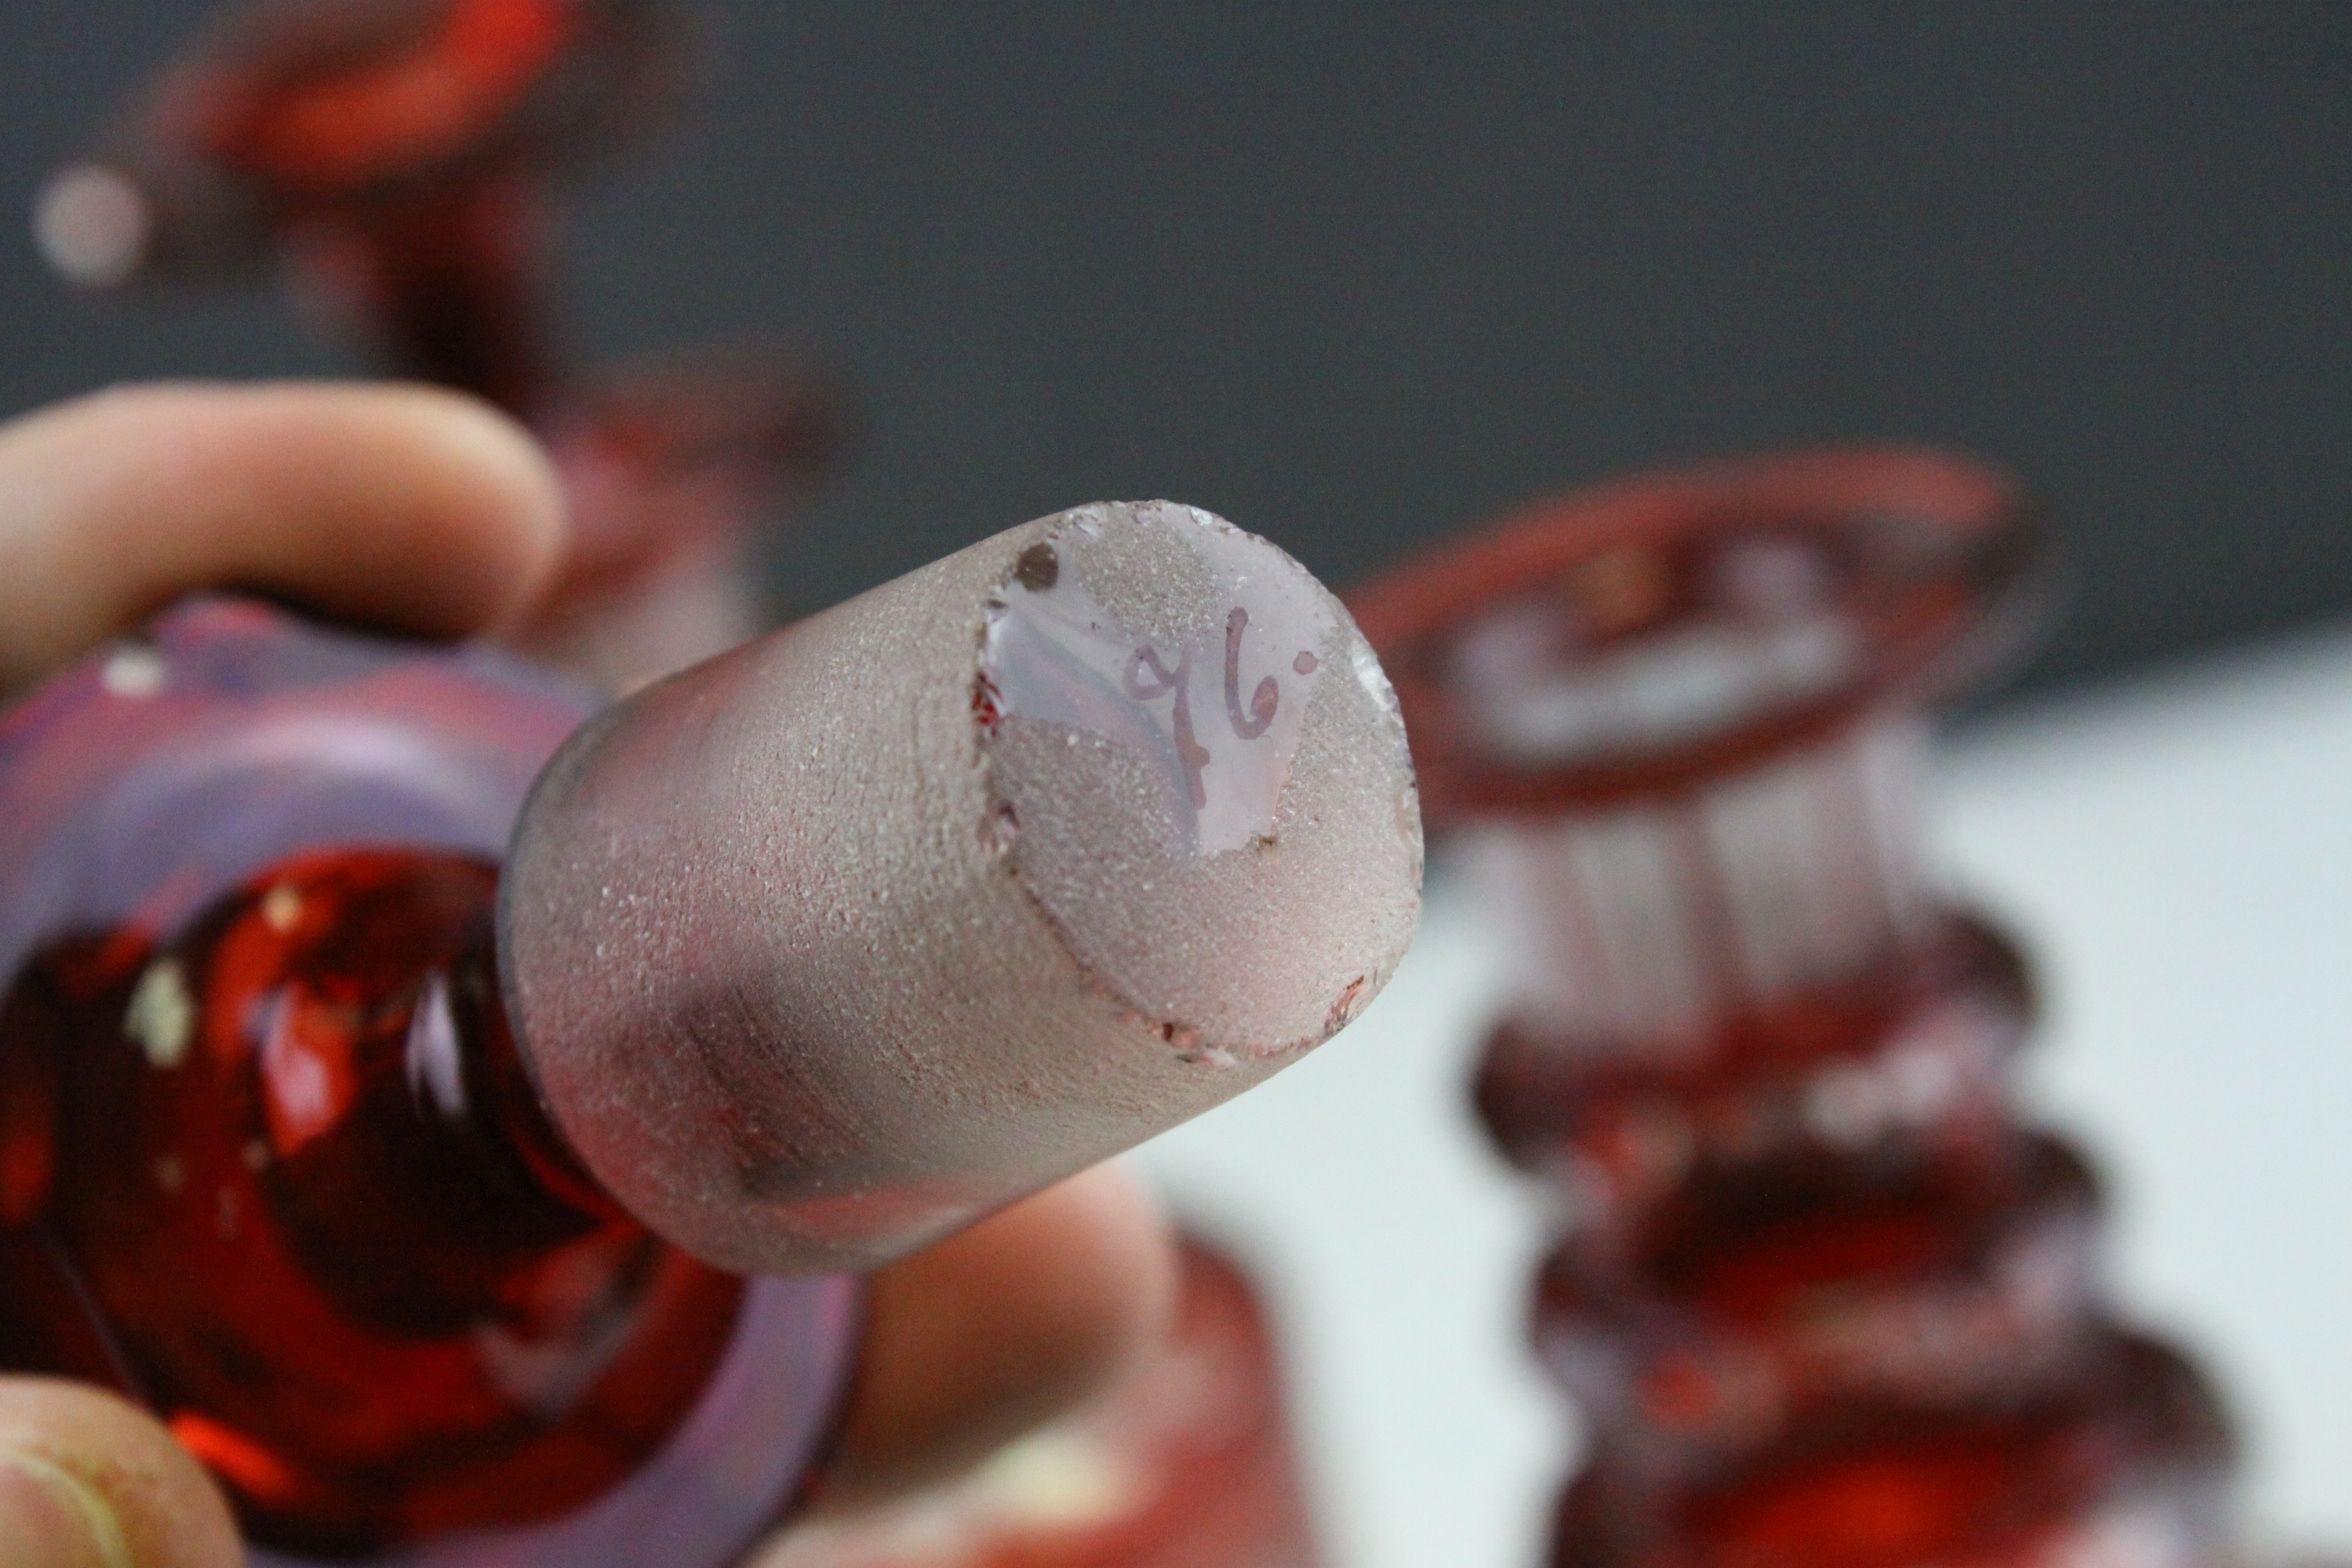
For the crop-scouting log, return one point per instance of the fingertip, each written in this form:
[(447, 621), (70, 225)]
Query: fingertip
[(1096, 1259), (501, 503), (423, 508), (998, 1330), (406, 507), (87, 1478), (1133, 1267)]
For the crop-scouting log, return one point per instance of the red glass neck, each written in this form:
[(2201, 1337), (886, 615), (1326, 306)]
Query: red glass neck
[(1646, 927), (382, 1064), (449, 283), (304, 1104)]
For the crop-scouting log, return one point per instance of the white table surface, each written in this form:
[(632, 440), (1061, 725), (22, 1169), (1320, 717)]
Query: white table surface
[(2177, 854)]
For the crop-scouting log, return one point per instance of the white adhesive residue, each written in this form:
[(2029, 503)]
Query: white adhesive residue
[(1200, 775), (162, 1015), (1212, 709)]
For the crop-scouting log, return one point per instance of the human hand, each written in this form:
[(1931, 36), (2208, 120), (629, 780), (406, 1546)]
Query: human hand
[(421, 512)]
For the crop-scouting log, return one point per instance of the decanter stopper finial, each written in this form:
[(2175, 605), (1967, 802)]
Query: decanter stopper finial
[(835, 942)]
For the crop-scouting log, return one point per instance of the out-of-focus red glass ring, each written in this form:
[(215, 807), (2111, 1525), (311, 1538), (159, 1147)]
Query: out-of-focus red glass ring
[(308, 114), (351, 102), (2134, 1454), (1931, 607), (1910, 1056), (1926, 1291)]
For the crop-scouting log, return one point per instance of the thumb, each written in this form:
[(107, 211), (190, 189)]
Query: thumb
[(87, 1481)]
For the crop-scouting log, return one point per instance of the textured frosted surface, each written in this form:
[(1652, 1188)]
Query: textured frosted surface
[(831, 944), (1201, 776)]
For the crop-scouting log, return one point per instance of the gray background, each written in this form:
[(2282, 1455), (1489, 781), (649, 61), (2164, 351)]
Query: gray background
[(1356, 275)]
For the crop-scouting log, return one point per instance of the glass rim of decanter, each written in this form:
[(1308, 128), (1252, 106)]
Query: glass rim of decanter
[(1949, 629), (584, 92)]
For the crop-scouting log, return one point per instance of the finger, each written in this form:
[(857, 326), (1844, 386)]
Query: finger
[(88, 1482), (1000, 1329), (413, 509)]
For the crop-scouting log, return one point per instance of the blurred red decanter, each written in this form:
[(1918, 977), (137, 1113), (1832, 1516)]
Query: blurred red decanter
[(1821, 1301), (401, 1075), (1187, 1463), (395, 156), (274, 1164)]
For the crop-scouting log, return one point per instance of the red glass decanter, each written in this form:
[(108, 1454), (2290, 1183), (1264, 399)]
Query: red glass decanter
[(396, 158), (397, 1094), (1186, 1464), (1822, 1301)]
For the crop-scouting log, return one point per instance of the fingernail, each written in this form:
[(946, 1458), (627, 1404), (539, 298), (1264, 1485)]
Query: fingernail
[(51, 1518)]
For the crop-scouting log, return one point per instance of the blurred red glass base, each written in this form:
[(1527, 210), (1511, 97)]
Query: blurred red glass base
[(2120, 1463), (1187, 1464), (256, 1050)]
